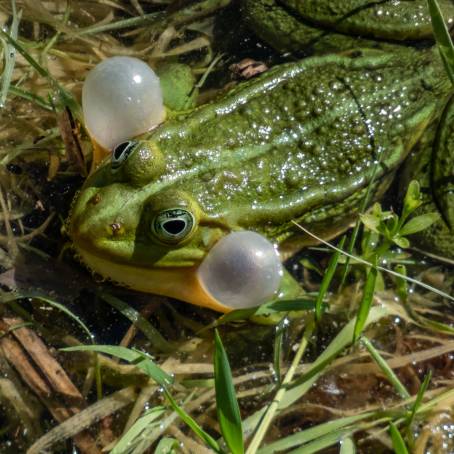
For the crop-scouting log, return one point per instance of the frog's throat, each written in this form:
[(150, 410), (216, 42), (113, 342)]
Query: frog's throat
[(181, 283)]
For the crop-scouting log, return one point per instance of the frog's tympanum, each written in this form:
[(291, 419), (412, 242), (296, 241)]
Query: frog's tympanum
[(299, 143)]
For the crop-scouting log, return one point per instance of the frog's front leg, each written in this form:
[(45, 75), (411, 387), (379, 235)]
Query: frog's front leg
[(123, 98), (178, 85)]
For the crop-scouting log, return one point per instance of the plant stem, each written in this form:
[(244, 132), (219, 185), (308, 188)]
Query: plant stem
[(272, 409)]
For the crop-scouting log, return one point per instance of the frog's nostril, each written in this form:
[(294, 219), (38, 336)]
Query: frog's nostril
[(117, 228), (95, 199)]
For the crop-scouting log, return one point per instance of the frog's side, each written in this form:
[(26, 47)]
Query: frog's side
[(322, 26), (297, 143)]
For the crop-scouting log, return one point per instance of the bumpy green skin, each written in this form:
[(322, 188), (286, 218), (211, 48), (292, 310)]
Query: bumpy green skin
[(321, 26), (297, 143)]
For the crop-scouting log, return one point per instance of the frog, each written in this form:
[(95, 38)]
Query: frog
[(300, 144)]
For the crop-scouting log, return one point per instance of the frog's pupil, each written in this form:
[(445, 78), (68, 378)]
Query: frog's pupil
[(175, 226)]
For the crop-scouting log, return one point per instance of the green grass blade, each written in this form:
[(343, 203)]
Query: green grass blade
[(366, 303), (9, 297), (38, 100), (192, 424), (10, 56), (270, 308), (138, 21), (327, 278), (389, 373), (277, 356), (442, 37), (140, 360), (308, 435), (128, 440), (323, 442), (227, 408), (266, 415), (398, 442), (347, 446), (39, 69), (152, 334), (417, 403), (167, 446)]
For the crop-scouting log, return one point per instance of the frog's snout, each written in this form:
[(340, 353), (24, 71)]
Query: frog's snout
[(93, 218)]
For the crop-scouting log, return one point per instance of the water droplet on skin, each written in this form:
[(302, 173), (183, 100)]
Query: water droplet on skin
[(335, 85)]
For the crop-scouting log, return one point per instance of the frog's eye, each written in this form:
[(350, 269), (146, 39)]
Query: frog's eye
[(241, 270), (121, 98), (120, 153), (173, 225)]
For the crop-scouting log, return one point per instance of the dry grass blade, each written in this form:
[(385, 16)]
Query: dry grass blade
[(85, 419)]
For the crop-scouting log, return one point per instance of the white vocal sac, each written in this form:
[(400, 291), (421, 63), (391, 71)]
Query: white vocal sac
[(242, 270), (121, 98)]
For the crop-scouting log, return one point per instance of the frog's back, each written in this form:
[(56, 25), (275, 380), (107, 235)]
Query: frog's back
[(300, 141)]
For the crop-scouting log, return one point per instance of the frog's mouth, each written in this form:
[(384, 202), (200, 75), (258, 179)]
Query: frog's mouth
[(181, 283)]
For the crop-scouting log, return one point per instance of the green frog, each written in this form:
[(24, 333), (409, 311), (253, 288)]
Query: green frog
[(301, 143)]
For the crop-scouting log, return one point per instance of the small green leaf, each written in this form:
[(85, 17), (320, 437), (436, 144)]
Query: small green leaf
[(419, 223), (412, 199), (167, 446), (401, 242), (392, 225), (398, 442), (401, 283), (227, 407), (370, 221), (366, 302)]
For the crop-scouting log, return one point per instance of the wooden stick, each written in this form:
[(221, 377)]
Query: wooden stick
[(45, 377)]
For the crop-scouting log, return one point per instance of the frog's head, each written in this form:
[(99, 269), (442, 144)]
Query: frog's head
[(130, 224)]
